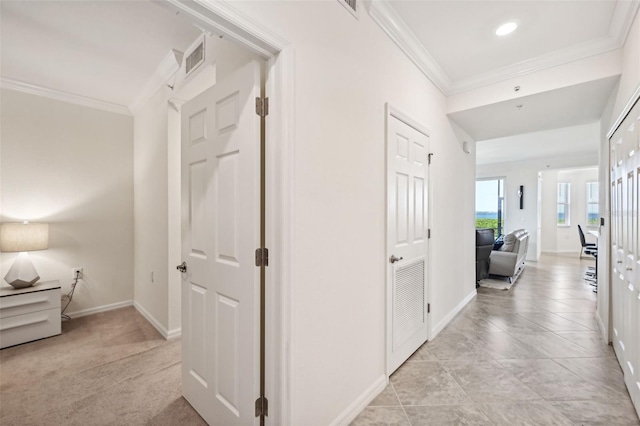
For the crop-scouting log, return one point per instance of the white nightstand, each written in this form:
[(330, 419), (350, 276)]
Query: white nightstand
[(30, 313)]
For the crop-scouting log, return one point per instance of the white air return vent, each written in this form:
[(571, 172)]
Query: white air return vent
[(195, 58), (351, 6), (408, 301)]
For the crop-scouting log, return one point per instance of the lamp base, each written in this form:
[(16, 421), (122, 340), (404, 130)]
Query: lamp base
[(22, 274)]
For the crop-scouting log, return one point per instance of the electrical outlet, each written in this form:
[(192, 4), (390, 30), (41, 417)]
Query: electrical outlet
[(77, 271)]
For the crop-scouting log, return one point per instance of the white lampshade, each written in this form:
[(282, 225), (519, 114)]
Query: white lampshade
[(24, 236)]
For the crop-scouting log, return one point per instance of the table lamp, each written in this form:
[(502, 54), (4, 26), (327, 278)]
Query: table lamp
[(23, 237)]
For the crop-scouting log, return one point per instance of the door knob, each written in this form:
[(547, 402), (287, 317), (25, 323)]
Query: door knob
[(182, 267), (394, 259)]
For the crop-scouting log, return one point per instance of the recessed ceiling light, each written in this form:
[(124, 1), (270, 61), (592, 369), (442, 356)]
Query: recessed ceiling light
[(506, 28)]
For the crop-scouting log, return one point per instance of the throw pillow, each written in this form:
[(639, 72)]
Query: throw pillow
[(499, 242), (509, 242)]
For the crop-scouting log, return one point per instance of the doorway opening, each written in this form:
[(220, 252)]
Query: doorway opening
[(222, 21)]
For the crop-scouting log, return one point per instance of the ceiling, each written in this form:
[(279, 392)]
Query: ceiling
[(567, 106), (460, 35), (108, 50), (454, 44), (576, 142), (103, 50)]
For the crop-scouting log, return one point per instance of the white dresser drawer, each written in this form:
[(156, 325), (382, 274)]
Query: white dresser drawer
[(29, 302), (24, 328)]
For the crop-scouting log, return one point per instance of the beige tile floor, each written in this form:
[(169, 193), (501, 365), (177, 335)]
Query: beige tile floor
[(531, 355)]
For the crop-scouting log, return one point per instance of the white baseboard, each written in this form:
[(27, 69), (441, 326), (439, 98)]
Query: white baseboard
[(176, 332), (603, 331), (98, 309), (356, 407), (167, 334), (447, 319), (156, 324)]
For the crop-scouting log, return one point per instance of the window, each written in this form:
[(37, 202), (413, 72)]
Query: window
[(490, 204), (592, 204), (564, 195)]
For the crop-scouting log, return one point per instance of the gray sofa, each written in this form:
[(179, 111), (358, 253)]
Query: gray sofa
[(509, 260)]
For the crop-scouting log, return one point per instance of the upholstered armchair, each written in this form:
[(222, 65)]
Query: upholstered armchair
[(484, 245)]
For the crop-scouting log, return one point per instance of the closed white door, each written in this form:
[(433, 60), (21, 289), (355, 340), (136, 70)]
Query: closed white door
[(220, 232), (407, 228), (625, 249)]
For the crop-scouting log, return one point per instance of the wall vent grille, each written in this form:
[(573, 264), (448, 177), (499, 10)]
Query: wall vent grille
[(408, 302), (195, 58), (351, 6)]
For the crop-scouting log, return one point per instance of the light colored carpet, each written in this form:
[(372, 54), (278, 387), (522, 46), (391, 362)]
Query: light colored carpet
[(111, 368)]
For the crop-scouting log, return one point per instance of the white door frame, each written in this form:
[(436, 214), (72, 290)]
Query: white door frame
[(222, 19), (391, 111)]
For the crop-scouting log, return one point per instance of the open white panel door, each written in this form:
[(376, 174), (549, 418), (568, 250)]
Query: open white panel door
[(220, 232), (407, 227)]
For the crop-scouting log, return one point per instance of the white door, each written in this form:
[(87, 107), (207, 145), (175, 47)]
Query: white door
[(220, 232), (407, 227), (625, 249)]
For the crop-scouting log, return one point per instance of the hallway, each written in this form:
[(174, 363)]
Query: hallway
[(530, 355)]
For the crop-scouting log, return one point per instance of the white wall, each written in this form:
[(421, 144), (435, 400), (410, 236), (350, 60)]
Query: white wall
[(549, 235), (150, 209), (566, 239), (71, 166), (629, 83), (343, 78)]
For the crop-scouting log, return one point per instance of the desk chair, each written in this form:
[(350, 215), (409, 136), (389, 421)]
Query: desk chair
[(584, 244)]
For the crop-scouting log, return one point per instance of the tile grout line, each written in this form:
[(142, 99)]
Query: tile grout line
[(555, 314), (515, 305), (401, 404)]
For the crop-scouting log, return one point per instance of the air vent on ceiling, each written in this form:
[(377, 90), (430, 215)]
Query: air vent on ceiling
[(350, 5), (195, 58)]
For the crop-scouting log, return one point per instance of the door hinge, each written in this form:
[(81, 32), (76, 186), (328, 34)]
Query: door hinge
[(429, 157), (429, 233), (262, 407), (262, 257), (428, 308), (262, 106)]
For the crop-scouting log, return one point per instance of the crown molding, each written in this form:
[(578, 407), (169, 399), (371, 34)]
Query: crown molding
[(167, 68), (221, 18), (19, 86), (529, 66), (391, 23), (394, 26), (622, 20)]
